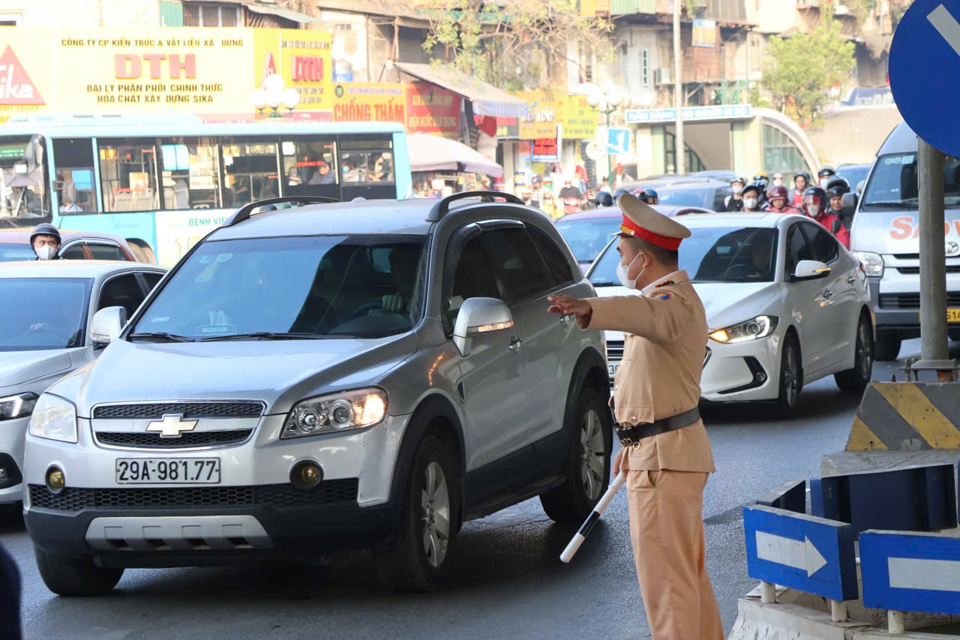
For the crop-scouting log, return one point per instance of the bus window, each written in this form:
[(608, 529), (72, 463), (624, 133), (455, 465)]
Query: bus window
[(310, 167), (74, 165), (191, 173), (128, 174), (250, 171), (23, 180), (367, 160)]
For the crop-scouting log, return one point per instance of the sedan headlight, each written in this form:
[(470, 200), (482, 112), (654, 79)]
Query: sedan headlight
[(336, 412), (54, 419), (17, 406), (759, 327), (872, 262)]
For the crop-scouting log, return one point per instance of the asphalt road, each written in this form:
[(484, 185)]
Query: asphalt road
[(508, 581)]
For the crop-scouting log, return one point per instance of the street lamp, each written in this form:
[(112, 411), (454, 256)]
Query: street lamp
[(606, 100), (271, 93)]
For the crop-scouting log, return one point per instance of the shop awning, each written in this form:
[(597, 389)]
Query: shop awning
[(433, 153), (487, 99), (282, 12)]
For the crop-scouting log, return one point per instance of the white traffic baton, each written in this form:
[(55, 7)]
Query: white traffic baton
[(593, 518)]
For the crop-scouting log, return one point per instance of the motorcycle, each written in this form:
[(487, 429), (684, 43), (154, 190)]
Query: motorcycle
[(571, 205)]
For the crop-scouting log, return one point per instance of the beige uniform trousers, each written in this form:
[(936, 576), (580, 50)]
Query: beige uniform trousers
[(666, 526)]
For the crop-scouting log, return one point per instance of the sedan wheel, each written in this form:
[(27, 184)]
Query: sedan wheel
[(855, 380), (791, 375)]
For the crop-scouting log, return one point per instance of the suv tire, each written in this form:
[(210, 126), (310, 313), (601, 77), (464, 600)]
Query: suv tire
[(418, 555), (76, 576), (888, 347), (856, 380), (587, 467)]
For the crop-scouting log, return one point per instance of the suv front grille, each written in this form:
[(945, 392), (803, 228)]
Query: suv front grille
[(912, 300), (156, 411), (274, 495), (155, 441)]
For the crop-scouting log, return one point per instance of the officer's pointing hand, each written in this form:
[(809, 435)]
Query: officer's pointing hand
[(571, 307)]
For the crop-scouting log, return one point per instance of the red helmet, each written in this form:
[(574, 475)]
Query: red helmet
[(815, 196), (777, 192)]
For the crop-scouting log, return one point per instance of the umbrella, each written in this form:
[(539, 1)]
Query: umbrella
[(433, 153)]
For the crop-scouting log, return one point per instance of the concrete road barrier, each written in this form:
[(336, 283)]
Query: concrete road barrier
[(907, 416)]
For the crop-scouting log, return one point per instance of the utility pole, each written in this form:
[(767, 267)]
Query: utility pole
[(933, 267), (678, 97)]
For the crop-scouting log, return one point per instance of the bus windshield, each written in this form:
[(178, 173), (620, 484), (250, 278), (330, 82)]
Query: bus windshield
[(23, 184)]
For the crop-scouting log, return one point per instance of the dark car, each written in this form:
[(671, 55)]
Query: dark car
[(77, 245), (587, 233), (854, 174), (705, 194)]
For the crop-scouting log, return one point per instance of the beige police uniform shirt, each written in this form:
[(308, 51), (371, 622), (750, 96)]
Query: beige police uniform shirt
[(664, 347)]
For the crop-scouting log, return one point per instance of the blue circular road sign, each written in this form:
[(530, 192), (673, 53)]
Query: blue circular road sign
[(925, 72)]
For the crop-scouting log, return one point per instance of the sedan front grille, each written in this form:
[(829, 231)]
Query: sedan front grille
[(156, 410), (274, 495), (186, 440)]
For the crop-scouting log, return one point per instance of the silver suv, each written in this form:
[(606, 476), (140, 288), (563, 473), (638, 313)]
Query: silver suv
[(328, 375)]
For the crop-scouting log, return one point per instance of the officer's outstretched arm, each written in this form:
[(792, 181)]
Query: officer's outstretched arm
[(659, 319)]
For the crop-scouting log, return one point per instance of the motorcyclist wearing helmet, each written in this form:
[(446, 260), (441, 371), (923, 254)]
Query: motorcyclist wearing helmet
[(46, 242), (649, 196), (835, 198), (815, 206), (779, 201), (826, 175), (801, 182), (604, 199), (751, 198), (734, 202)]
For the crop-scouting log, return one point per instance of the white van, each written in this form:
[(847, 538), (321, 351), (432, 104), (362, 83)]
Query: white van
[(886, 237)]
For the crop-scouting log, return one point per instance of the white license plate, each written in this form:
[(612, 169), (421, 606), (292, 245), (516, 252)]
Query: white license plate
[(168, 471), (612, 368)]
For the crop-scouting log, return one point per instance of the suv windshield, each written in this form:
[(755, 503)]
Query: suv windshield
[(309, 287), (721, 254), (42, 313), (893, 184)]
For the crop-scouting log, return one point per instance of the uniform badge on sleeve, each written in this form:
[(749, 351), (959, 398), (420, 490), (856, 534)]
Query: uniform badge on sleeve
[(663, 296)]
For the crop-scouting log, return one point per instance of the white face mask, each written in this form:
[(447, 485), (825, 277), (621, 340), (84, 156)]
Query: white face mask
[(813, 210), (777, 182), (623, 274), (824, 182), (750, 203), (45, 252), (737, 189)]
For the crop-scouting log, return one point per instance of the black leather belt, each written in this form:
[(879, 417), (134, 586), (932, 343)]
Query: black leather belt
[(630, 436)]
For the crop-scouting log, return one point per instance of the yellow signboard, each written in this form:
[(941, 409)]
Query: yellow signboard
[(367, 102), (24, 73), (303, 59), (579, 119), (541, 119)]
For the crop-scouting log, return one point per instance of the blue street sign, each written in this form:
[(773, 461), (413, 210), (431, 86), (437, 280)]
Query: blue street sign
[(718, 112), (800, 551), (618, 142), (925, 71), (910, 571)]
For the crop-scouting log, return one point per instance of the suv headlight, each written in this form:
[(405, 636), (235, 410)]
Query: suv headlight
[(872, 263), (54, 419), (759, 327), (17, 406), (336, 412)]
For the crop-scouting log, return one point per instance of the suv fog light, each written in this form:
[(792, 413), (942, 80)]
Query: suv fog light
[(55, 480), (306, 475)]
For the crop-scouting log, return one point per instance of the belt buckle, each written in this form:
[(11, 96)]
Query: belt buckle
[(627, 442)]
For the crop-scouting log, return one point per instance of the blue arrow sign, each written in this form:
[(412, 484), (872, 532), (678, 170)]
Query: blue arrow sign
[(910, 571), (618, 142), (800, 551), (925, 71)]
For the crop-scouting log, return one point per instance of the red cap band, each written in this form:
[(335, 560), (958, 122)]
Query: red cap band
[(630, 228)]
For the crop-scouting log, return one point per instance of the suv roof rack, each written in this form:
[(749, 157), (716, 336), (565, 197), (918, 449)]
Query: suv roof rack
[(442, 208), (247, 210)]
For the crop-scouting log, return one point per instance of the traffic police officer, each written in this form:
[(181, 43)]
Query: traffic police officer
[(666, 451)]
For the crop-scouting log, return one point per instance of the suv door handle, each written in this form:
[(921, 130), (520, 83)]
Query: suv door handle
[(515, 344)]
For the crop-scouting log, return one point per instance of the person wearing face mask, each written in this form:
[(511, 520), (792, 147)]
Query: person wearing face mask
[(46, 241), (778, 179), (825, 176), (751, 198), (801, 181), (779, 202), (734, 202), (666, 453), (815, 206)]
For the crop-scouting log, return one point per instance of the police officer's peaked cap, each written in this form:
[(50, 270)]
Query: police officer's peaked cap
[(640, 220)]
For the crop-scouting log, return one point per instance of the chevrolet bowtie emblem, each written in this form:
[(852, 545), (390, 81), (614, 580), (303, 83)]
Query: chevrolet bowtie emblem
[(172, 426)]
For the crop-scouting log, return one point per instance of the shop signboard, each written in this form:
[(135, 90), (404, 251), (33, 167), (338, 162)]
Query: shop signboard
[(431, 109), (368, 102), (578, 118)]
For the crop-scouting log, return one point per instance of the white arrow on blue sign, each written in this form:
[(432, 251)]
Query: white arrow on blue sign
[(910, 571), (803, 552), (924, 71)]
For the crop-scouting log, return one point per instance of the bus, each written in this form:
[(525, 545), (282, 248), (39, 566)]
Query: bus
[(163, 182)]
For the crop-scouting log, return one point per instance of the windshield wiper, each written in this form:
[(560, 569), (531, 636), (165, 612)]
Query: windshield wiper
[(263, 335), (161, 336)]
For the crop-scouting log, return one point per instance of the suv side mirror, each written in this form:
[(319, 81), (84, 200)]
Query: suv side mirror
[(107, 325), (849, 204), (810, 270), (478, 316)]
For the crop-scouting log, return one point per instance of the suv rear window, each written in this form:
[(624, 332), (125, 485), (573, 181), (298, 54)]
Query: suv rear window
[(318, 286)]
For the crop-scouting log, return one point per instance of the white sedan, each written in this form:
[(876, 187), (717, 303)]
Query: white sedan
[(786, 305)]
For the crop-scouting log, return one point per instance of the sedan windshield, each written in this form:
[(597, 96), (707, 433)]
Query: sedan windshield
[(283, 288), (711, 254), (42, 313), (587, 237), (894, 185)]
